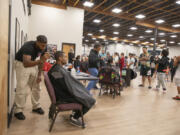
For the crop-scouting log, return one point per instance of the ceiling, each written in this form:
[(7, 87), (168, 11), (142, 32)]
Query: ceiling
[(167, 10)]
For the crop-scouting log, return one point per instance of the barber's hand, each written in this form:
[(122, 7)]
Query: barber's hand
[(38, 79)]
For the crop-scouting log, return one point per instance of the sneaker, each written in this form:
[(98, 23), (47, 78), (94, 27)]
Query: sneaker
[(76, 122), (176, 98), (20, 116), (38, 111), (149, 87), (141, 85), (164, 89)]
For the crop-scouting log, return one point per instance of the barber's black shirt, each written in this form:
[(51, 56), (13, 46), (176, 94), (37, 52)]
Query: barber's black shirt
[(29, 48)]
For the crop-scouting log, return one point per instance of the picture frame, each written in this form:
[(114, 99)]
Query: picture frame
[(22, 38), (17, 35)]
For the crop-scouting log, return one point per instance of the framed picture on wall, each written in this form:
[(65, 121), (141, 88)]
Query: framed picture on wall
[(17, 35), (66, 47), (22, 38)]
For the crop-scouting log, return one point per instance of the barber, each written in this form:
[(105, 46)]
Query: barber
[(28, 74)]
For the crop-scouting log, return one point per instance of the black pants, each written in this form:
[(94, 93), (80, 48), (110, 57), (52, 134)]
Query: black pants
[(172, 74), (152, 71), (128, 77), (76, 113)]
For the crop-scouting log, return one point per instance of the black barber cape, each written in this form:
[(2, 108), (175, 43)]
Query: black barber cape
[(72, 88)]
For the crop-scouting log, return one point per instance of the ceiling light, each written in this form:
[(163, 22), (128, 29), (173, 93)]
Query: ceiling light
[(163, 40), (133, 28), (96, 21), (179, 43), (146, 42), (161, 34), (173, 36), (116, 10), (88, 4), (151, 38), (148, 31), (141, 36), (171, 42), (101, 30), (116, 32), (140, 16), (178, 2), (159, 21), (176, 25), (93, 38), (116, 25), (97, 41), (87, 40), (89, 34), (130, 35)]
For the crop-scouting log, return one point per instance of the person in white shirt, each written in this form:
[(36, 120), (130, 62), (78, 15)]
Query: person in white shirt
[(131, 61), (177, 76)]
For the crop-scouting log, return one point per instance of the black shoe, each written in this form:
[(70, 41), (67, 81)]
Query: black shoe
[(20, 116), (149, 87), (77, 122), (141, 85), (38, 111), (164, 89)]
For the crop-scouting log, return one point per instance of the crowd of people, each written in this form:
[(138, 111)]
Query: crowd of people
[(29, 65)]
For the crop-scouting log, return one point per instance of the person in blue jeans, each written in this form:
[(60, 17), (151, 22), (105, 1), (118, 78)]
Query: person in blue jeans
[(94, 63)]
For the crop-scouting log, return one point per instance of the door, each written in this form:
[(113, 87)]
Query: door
[(66, 48)]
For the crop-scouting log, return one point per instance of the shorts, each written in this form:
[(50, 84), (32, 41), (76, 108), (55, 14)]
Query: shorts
[(177, 82), (145, 71)]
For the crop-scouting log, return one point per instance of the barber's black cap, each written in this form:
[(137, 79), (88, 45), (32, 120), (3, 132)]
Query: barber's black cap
[(42, 39)]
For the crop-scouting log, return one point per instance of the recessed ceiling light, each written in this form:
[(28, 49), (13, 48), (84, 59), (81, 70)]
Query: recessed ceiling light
[(173, 36), (116, 32), (171, 42), (178, 2), (176, 25), (162, 34), (130, 35), (148, 31), (93, 38), (96, 21), (101, 30), (87, 40), (151, 38), (116, 25), (89, 34), (88, 4), (163, 40), (116, 10), (140, 16), (159, 21), (141, 36), (97, 41), (133, 28)]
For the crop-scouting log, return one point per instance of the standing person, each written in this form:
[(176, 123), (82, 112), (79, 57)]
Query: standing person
[(28, 76), (130, 68), (172, 68), (71, 56), (94, 63), (121, 63), (84, 64), (108, 57), (177, 76), (161, 67), (103, 57), (145, 70), (77, 63), (116, 59)]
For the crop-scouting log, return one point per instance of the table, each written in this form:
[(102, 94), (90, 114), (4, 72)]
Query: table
[(84, 76)]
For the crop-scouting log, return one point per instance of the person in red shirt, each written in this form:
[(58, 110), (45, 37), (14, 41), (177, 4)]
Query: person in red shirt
[(121, 62)]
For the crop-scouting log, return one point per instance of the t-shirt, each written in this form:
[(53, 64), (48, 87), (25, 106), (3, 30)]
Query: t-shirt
[(131, 60), (163, 64), (145, 63), (29, 48)]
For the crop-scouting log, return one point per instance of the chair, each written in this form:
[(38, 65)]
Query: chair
[(56, 108), (109, 78)]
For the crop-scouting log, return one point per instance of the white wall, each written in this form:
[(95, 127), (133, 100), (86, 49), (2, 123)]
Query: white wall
[(58, 25), (17, 11), (174, 51)]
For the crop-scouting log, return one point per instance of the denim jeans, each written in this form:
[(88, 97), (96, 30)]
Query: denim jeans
[(93, 72)]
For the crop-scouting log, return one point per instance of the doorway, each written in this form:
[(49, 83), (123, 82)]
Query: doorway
[(66, 48)]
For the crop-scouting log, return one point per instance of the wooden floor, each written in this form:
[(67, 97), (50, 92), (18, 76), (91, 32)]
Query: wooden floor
[(138, 111)]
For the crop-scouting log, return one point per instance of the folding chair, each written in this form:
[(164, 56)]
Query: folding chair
[(56, 108)]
